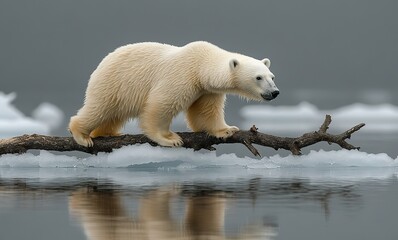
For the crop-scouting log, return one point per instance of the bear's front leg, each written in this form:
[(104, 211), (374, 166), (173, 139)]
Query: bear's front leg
[(225, 132), (207, 114), (155, 123)]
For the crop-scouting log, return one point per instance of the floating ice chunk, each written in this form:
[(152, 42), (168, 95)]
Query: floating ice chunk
[(369, 112), (305, 117), (14, 123), (146, 165), (49, 114), (146, 155), (335, 159), (8, 111), (302, 117), (12, 128), (378, 118), (304, 110)]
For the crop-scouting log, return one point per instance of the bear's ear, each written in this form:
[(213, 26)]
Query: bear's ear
[(267, 62), (233, 63)]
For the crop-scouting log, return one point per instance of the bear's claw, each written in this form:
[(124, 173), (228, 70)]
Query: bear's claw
[(85, 141), (178, 144)]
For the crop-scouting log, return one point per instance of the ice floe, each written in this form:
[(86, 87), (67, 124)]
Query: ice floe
[(13, 122), (307, 117), (146, 156), (143, 164)]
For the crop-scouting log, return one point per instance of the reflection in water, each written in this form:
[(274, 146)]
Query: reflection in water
[(187, 211), (103, 216)]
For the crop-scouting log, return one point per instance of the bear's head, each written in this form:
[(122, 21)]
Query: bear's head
[(252, 78)]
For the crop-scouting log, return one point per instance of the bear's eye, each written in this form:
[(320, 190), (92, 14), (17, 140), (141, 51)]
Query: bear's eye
[(259, 78)]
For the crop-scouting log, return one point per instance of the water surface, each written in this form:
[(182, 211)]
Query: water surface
[(176, 200)]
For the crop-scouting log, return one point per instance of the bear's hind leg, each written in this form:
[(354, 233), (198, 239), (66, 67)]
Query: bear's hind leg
[(109, 128), (207, 114), (80, 131)]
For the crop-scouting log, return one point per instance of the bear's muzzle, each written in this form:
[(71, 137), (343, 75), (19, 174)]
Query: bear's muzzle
[(271, 95)]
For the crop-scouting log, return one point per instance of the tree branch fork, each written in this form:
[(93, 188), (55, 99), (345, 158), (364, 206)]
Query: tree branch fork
[(194, 140)]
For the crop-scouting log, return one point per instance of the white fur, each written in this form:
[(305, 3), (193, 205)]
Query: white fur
[(155, 82)]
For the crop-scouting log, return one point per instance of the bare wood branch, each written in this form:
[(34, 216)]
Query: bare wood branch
[(251, 148), (325, 126), (197, 141)]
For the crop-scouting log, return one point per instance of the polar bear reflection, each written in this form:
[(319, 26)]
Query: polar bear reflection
[(103, 217)]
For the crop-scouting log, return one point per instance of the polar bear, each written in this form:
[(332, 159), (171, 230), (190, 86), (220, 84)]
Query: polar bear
[(154, 82)]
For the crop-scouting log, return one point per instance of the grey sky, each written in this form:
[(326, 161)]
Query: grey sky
[(317, 48)]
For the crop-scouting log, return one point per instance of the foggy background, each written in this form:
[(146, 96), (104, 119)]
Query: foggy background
[(330, 53)]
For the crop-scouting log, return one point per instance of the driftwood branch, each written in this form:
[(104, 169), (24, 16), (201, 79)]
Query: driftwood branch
[(196, 141)]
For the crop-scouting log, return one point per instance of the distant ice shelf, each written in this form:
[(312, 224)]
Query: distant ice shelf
[(307, 117)]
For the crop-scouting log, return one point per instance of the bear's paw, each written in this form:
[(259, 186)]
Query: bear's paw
[(225, 132), (170, 139)]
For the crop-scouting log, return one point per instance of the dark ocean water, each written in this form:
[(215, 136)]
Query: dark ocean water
[(274, 204)]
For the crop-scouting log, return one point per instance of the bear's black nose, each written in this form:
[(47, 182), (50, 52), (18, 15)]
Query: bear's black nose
[(275, 94)]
